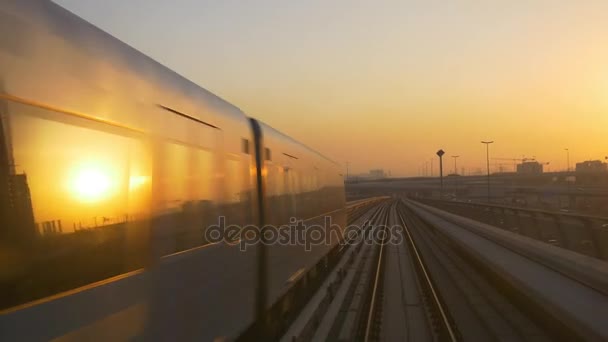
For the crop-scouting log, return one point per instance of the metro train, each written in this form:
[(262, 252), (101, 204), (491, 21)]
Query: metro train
[(112, 170)]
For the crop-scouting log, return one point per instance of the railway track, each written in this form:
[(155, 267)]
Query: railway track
[(449, 299), (409, 305), (422, 283), (368, 305), (364, 300), (373, 322), (476, 307)]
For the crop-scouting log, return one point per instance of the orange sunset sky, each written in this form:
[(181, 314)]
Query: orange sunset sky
[(384, 84)]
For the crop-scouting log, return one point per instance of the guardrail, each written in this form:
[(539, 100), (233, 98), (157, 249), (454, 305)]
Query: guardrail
[(579, 233)]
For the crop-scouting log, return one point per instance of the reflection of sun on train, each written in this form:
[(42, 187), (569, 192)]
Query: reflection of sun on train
[(111, 164)]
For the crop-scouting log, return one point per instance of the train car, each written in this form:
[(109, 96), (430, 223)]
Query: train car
[(116, 177)]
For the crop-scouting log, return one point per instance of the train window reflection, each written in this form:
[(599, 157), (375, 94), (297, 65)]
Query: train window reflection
[(183, 176), (234, 181), (78, 176), (70, 188)]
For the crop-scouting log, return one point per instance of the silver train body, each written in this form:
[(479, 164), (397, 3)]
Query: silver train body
[(113, 168)]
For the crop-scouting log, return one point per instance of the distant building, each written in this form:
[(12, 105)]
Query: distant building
[(377, 174), (591, 172), (372, 175), (16, 213), (530, 168), (21, 206), (50, 227), (5, 207), (591, 166)]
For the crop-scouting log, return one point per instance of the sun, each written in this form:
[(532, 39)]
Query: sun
[(91, 184)]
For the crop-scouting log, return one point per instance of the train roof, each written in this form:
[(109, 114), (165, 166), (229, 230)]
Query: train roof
[(267, 128), (99, 46), (102, 46)]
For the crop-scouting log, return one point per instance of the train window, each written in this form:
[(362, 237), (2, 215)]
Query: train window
[(245, 145), (76, 175), (74, 199), (237, 193), (268, 154), (182, 195), (183, 175), (170, 187), (234, 181), (200, 176)]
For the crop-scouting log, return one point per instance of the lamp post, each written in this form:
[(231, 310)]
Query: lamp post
[(440, 153), (488, 163), (567, 159)]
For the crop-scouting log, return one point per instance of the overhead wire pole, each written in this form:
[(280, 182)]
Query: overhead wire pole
[(455, 178), (568, 179), (455, 169), (488, 163)]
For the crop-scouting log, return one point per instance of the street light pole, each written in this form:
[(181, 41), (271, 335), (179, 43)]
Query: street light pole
[(488, 163), (567, 159), (440, 154)]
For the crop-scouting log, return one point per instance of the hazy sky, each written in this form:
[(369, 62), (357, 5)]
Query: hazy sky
[(384, 84)]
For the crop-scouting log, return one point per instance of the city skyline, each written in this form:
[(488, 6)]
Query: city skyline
[(387, 83)]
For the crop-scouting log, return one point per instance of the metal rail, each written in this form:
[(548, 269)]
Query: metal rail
[(425, 280), (376, 287), (480, 306)]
